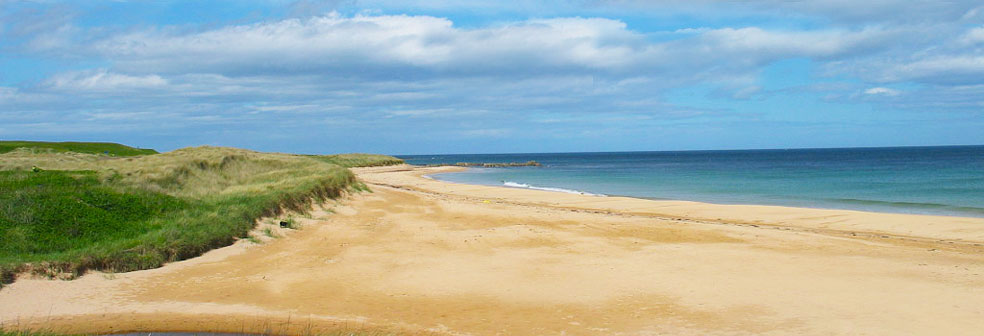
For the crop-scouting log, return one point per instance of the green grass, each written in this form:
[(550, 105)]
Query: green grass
[(28, 333), (269, 233), (76, 147), (359, 160), (86, 211), (292, 224), (56, 211)]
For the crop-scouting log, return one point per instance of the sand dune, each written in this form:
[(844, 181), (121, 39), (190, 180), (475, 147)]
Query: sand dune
[(422, 256)]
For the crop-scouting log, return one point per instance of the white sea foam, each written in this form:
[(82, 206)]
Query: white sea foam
[(569, 191)]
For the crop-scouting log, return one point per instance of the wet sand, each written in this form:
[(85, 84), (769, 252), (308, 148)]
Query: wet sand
[(420, 256)]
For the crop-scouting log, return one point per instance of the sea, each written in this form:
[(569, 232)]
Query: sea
[(942, 180)]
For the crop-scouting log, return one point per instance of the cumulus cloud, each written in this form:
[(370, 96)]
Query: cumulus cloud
[(339, 44), (400, 45), (374, 72)]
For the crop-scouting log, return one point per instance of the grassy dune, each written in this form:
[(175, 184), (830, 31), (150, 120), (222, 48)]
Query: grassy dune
[(89, 211), (77, 147), (359, 160)]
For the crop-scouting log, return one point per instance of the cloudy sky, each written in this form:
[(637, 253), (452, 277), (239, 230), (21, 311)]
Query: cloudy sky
[(428, 76)]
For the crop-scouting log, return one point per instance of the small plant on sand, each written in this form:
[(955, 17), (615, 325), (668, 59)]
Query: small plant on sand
[(269, 233), (361, 187)]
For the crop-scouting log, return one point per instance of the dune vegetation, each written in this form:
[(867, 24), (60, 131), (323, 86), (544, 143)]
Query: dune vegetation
[(359, 160), (62, 213), (106, 148), (26, 333)]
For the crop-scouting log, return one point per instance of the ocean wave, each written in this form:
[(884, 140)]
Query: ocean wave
[(917, 205), (569, 191)]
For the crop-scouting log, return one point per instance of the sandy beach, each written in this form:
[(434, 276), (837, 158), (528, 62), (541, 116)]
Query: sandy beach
[(420, 256)]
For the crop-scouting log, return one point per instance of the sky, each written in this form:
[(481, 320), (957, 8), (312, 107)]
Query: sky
[(429, 77)]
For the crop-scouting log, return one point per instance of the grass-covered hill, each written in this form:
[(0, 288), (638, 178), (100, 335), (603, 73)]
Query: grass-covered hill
[(106, 148), (83, 211), (359, 160)]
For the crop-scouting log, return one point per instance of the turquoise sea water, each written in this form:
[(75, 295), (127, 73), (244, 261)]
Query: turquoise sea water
[(922, 180)]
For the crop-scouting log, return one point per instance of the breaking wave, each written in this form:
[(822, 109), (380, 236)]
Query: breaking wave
[(569, 191)]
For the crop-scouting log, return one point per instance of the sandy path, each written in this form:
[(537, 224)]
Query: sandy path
[(422, 256)]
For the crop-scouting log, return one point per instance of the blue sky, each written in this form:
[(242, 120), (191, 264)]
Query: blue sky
[(416, 77)]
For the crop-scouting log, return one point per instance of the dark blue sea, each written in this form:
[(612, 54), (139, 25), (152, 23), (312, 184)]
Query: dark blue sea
[(921, 180)]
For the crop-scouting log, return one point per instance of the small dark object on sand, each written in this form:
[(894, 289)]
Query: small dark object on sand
[(284, 224)]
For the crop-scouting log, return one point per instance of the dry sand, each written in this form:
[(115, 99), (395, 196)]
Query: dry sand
[(427, 257)]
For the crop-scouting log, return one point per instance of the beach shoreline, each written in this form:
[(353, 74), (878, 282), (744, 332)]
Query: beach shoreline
[(955, 229), (941, 181), (570, 184), (900, 210), (422, 256)]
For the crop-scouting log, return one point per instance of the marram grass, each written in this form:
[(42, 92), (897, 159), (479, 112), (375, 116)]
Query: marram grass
[(359, 160), (105, 148), (89, 211), (27, 333)]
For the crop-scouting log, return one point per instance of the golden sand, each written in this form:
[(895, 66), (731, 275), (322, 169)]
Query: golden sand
[(426, 257)]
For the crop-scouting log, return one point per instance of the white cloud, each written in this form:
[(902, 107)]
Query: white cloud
[(809, 43), (414, 46), (102, 80), (367, 71), (972, 13), (936, 55), (370, 72), (883, 91), (120, 115), (335, 42), (973, 36), (947, 69)]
